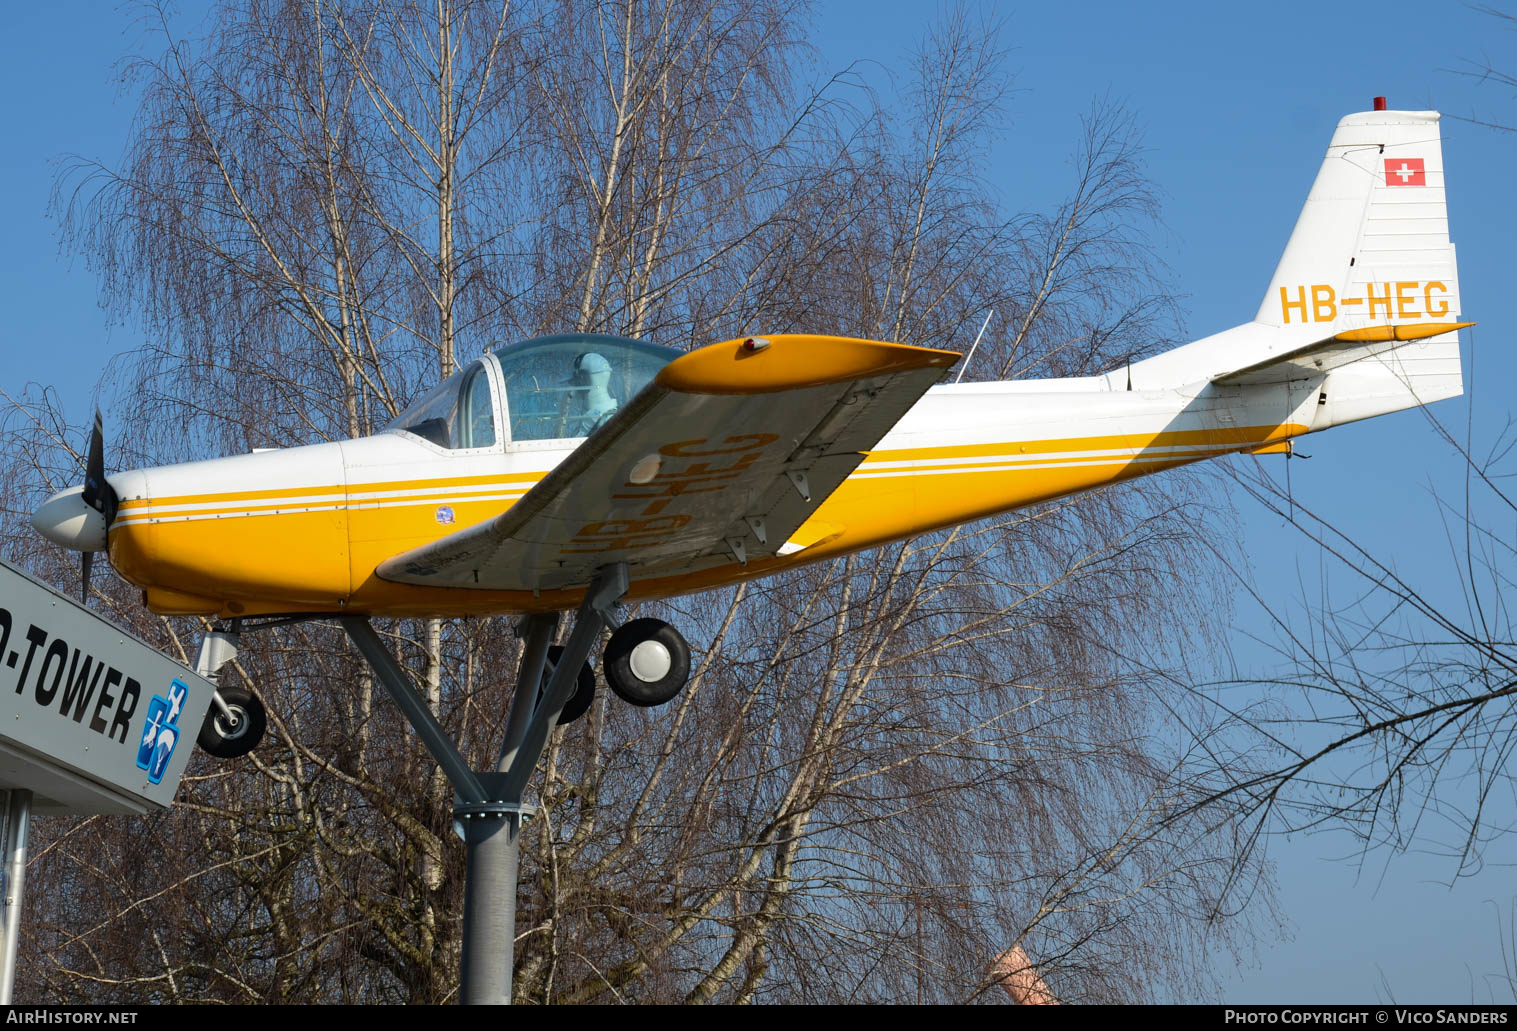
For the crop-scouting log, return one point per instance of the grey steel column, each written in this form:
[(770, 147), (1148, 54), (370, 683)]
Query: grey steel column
[(492, 835), (18, 818), (492, 830)]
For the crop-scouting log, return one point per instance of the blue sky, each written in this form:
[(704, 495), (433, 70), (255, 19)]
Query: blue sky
[(1238, 103)]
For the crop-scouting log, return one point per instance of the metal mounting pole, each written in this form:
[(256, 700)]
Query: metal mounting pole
[(536, 631), (494, 836), (18, 818), (605, 590), (488, 812), (395, 681), (493, 840)]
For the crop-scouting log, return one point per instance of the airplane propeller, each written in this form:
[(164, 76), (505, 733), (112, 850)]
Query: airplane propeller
[(78, 518), (98, 494)]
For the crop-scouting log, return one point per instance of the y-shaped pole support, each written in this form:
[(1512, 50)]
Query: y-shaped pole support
[(488, 810)]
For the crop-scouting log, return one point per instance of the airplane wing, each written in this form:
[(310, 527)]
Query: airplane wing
[(718, 460)]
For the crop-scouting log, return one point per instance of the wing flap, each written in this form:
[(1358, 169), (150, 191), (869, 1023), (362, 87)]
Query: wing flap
[(720, 459)]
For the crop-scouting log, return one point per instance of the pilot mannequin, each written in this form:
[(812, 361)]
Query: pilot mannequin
[(590, 402)]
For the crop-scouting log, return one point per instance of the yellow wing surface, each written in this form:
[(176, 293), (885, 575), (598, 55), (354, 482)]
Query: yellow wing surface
[(720, 459)]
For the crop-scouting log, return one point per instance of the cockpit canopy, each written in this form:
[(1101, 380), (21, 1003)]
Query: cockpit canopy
[(567, 385), (556, 387), (456, 414)]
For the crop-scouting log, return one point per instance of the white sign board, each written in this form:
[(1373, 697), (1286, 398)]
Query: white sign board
[(92, 720)]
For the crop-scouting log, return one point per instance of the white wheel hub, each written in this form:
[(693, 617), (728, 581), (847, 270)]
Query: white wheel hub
[(650, 661)]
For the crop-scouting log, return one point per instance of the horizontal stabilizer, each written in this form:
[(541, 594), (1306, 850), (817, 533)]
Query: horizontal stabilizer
[(1345, 348)]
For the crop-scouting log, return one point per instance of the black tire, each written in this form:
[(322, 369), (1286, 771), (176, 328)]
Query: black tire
[(584, 688), (227, 741), (622, 659)]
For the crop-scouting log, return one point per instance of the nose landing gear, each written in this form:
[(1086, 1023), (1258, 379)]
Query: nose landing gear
[(235, 733), (236, 720), (647, 662)]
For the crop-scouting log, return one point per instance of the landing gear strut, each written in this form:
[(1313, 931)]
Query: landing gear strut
[(236, 720)]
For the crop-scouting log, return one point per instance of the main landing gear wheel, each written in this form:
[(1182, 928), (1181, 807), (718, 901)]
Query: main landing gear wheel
[(584, 687), (647, 662), (231, 739)]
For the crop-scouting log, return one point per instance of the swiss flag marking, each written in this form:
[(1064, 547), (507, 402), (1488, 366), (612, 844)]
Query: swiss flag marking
[(1404, 172)]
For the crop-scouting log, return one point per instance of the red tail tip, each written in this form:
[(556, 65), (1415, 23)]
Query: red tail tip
[(1379, 103)]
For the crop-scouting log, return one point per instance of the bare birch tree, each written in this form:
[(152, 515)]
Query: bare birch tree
[(885, 772)]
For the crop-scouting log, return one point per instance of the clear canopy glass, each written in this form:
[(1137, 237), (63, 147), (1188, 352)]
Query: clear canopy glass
[(456, 414), (569, 385), (557, 387)]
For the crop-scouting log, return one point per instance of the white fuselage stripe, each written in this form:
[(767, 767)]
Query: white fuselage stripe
[(370, 500), (284, 506), (909, 463), (988, 465)]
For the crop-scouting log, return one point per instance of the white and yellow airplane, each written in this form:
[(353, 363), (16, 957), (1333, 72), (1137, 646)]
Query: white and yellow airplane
[(552, 462)]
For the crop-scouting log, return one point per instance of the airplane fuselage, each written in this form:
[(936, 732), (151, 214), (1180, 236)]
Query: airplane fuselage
[(303, 529), (1358, 320)]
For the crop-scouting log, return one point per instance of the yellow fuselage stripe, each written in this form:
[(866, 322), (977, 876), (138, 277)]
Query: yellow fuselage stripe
[(314, 548)]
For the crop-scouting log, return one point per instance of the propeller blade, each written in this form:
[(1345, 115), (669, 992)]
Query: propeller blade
[(85, 577), (97, 493), (94, 468)]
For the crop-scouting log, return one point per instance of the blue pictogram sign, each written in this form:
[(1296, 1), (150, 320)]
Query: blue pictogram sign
[(162, 732)]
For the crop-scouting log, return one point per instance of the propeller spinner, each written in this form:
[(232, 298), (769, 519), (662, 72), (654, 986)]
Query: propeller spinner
[(78, 518)]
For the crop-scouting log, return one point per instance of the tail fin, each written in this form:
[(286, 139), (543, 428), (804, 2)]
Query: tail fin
[(1372, 244), (1370, 249)]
